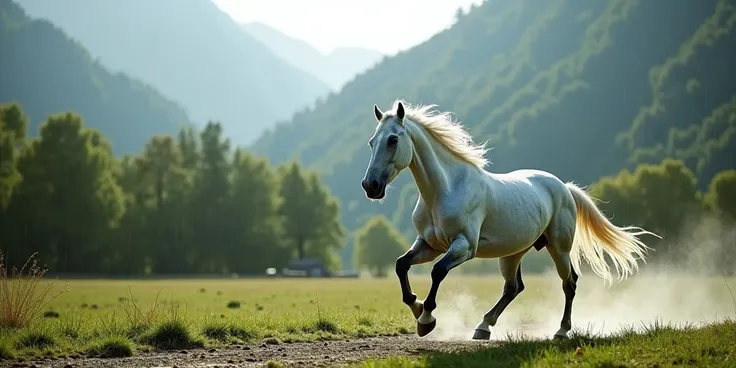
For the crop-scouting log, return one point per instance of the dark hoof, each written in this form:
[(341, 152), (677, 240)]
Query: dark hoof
[(417, 308), (482, 335), (423, 330), (559, 336)]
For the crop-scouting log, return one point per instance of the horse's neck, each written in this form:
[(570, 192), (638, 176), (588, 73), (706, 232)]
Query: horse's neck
[(431, 164)]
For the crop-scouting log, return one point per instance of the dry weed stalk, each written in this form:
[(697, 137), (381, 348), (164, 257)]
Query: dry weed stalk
[(135, 316), (20, 302)]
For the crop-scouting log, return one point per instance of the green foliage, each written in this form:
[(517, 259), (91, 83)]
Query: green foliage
[(378, 243), (311, 216), (47, 72), (657, 197), (184, 205), (721, 196), (112, 347), (664, 199), (13, 127)]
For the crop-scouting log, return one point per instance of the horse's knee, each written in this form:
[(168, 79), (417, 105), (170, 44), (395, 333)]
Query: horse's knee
[(403, 264), (512, 288)]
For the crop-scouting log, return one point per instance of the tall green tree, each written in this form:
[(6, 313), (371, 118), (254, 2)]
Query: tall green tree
[(310, 215), (68, 201), (378, 243), (13, 130), (721, 196), (660, 198), (209, 207), (253, 219)]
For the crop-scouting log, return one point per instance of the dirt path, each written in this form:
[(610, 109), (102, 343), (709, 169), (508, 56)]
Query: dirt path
[(317, 354)]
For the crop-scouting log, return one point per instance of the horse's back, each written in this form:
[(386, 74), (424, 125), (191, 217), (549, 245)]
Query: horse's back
[(546, 192), (534, 195), (529, 181)]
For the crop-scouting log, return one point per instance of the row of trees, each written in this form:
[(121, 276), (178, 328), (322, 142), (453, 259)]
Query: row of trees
[(664, 198), (186, 204), (193, 204)]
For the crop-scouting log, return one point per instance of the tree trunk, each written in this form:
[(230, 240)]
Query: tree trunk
[(300, 249)]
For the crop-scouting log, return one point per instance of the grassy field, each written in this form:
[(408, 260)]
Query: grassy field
[(120, 318)]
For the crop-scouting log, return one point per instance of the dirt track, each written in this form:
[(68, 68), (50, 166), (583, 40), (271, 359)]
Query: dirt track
[(317, 354)]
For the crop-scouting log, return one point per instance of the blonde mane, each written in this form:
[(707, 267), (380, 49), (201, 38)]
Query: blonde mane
[(444, 129)]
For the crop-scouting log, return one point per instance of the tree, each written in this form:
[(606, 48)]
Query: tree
[(659, 198), (13, 129), (310, 215), (68, 201), (378, 243), (253, 217), (209, 208), (721, 195)]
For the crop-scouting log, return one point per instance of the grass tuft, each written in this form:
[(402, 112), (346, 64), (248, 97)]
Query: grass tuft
[(35, 339), (6, 350), (172, 333), (51, 314), (21, 301), (233, 304), (112, 347), (274, 364)]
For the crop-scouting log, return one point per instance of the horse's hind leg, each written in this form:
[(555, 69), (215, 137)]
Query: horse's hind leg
[(419, 253), (513, 285), (559, 247)]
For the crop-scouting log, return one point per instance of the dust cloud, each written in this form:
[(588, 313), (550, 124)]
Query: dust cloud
[(684, 292)]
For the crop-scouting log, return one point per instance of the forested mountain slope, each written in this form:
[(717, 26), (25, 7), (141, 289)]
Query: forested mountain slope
[(579, 88), (192, 52), (47, 72)]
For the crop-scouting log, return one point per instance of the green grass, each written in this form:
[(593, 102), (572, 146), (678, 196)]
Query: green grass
[(658, 346), (113, 318)]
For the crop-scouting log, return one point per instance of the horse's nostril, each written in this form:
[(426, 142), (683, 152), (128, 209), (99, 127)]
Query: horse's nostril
[(374, 184)]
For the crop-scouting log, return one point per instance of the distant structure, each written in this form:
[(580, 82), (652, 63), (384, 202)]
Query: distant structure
[(308, 267), (312, 267)]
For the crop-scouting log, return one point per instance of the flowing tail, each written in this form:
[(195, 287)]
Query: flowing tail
[(596, 236)]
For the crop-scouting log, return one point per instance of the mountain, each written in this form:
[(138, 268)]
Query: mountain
[(47, 72), (579, 88), (335, 68), (192, 52)]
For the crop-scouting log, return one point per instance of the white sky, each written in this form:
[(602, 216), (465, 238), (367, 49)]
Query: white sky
[(384, 25)]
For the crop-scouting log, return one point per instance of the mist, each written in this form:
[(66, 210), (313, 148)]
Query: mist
[(689, 290)]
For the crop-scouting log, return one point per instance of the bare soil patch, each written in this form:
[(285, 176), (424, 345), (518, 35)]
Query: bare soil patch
[(311, 354)]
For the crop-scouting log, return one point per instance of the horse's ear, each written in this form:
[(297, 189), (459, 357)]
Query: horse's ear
[(400, 111), (377, 112)]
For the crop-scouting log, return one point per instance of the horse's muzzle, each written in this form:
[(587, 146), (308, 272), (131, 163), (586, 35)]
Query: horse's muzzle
[(374, 189)]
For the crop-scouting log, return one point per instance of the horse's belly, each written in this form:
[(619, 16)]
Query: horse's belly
[(498, 250), (505, 241)]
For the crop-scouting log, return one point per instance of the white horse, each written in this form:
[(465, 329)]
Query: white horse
[(465, 212)]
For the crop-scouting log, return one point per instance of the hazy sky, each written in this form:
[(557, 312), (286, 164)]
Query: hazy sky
[(384, 25)]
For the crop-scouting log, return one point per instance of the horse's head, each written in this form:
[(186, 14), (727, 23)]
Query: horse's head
[(391, 151)]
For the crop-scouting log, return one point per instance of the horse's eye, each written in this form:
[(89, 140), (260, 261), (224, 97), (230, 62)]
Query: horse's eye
[(392, 140)]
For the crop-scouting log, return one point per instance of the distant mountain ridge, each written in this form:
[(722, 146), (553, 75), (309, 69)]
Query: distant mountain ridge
[(48, 73), (192, 52), (336, 68)]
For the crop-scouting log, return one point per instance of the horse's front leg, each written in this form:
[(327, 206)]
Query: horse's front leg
[(461, 250), (419, 253)]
